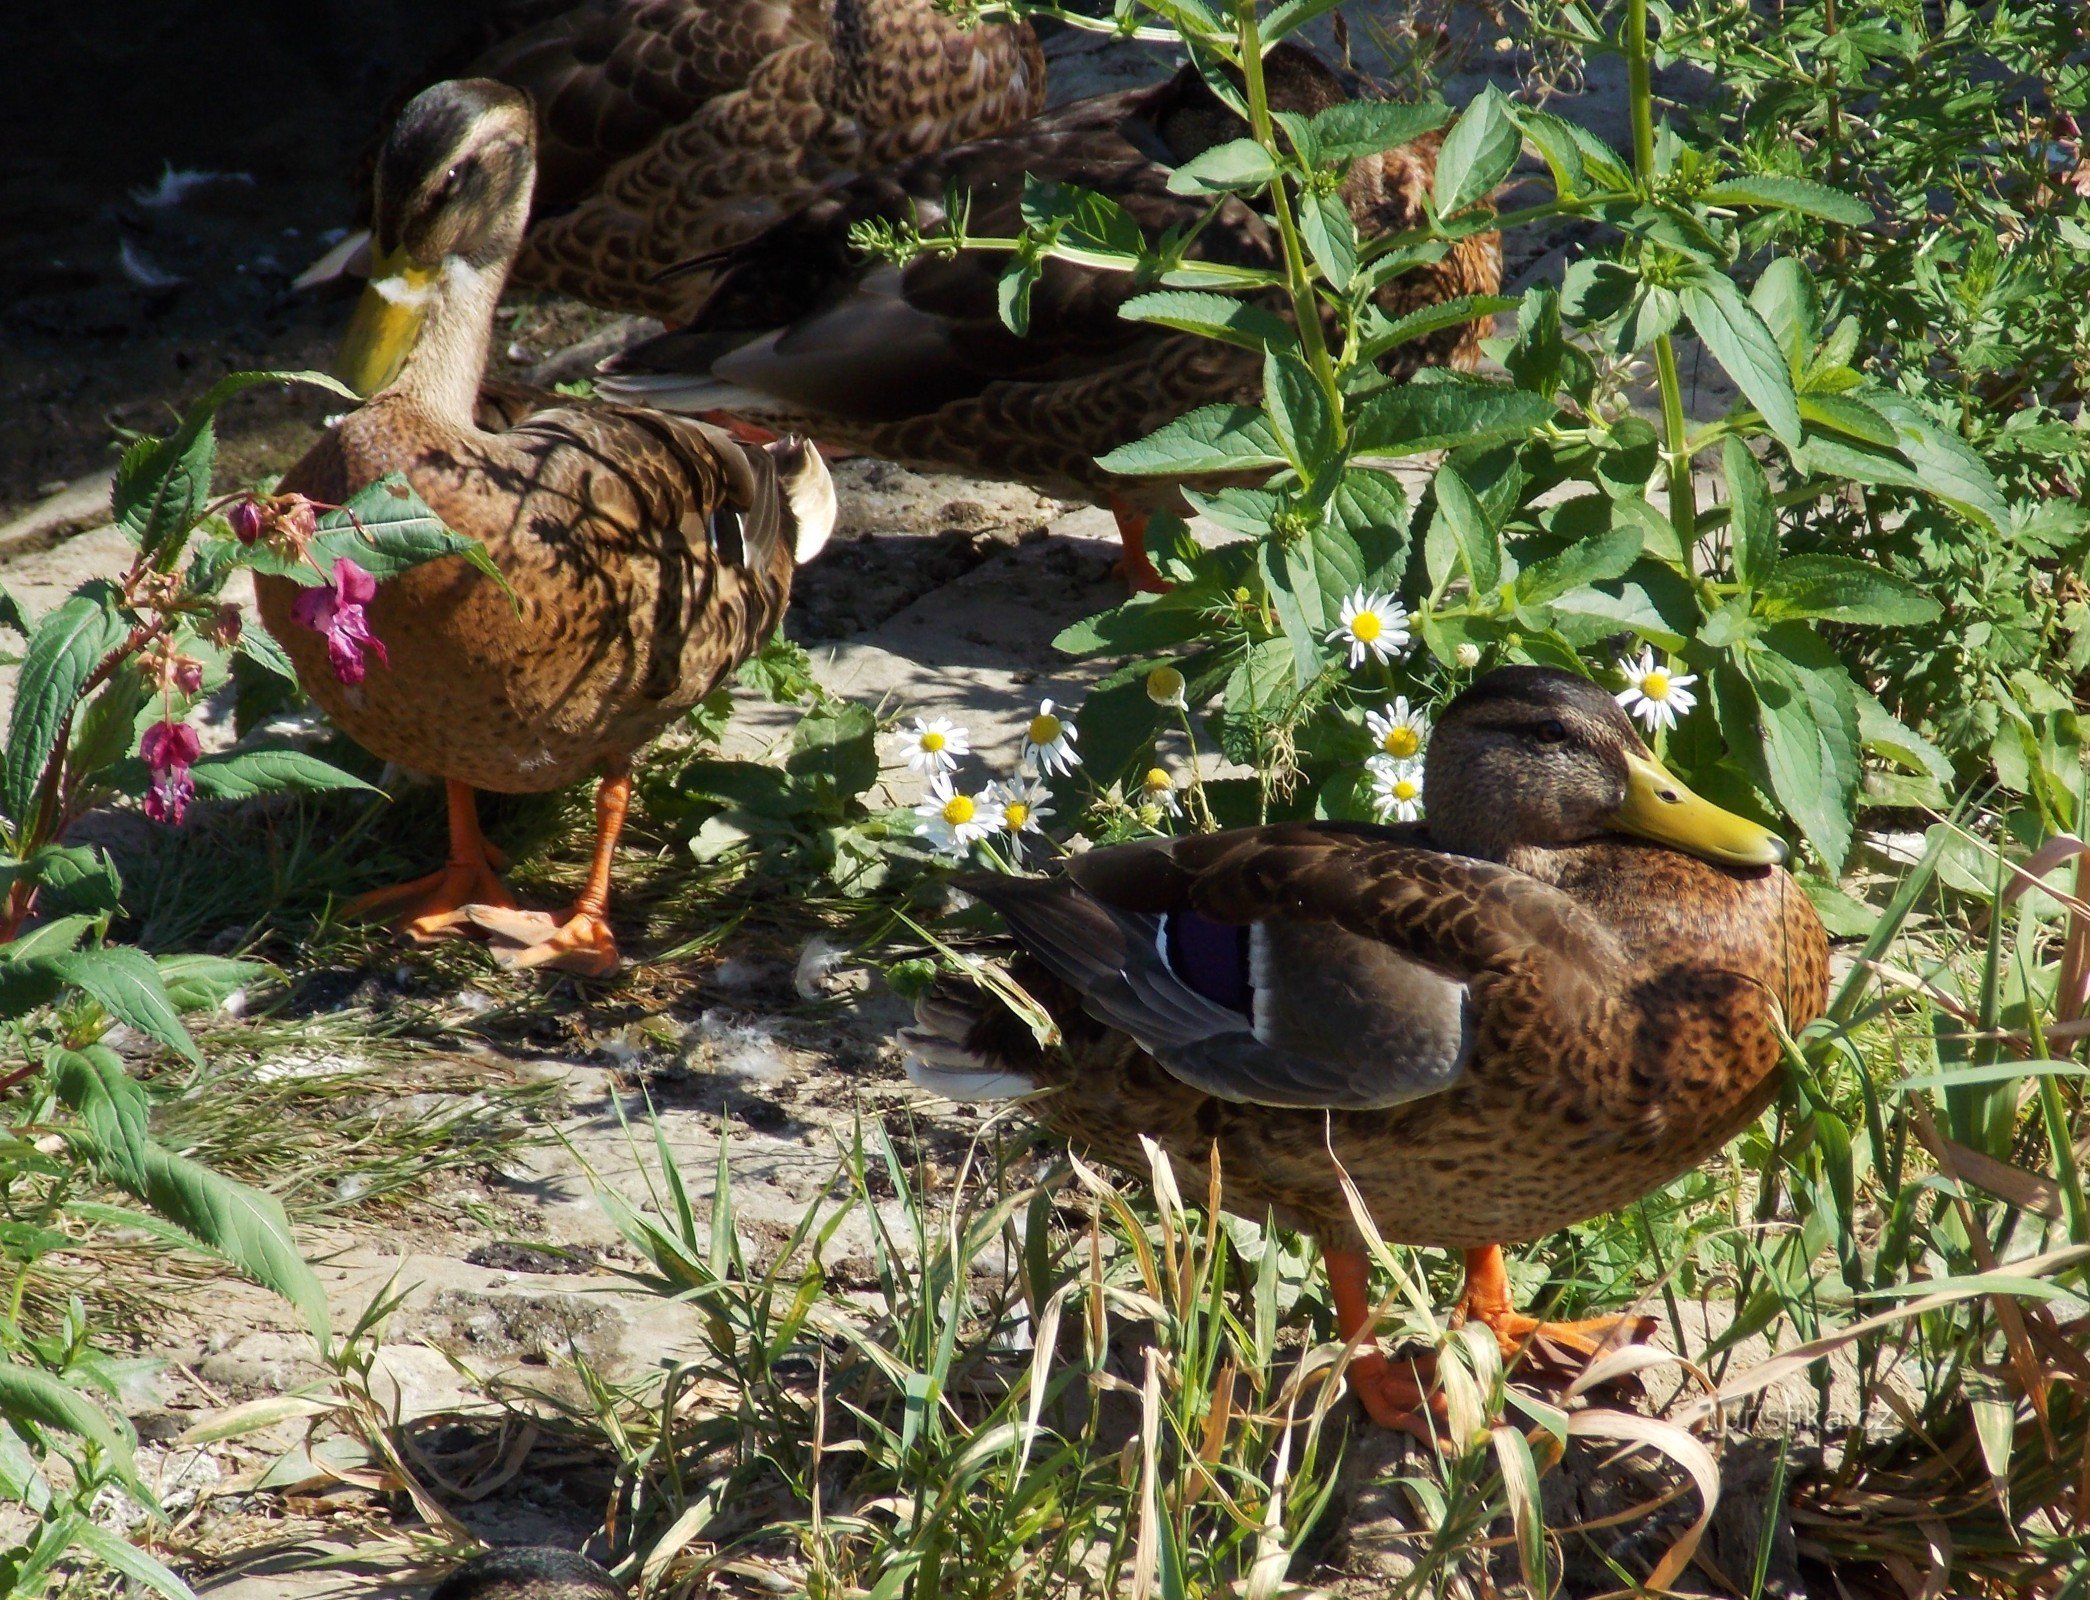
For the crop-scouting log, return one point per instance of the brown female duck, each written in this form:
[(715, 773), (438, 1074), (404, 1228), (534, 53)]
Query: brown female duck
[(1561, 993), (669, 128), (913, 363), (647, 555), (529, 1572)]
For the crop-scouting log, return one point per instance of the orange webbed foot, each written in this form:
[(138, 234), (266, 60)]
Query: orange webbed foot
[(1133, 563), (1396, 1393), (579, 942), (1549, 1351), (433, 907)]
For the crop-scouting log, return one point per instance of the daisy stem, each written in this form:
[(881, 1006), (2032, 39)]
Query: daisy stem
[(1201, 808)]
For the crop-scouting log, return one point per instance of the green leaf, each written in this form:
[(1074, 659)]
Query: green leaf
[(1785, 297), (1849, 414), (246, 773), (1478, 545), (113, 1108), (261, 648), (1236, 166), (1145, 623), (242, 1226), (1381, 334), (12, 616), (77, 877), (1216, 316), (1596, 559), (1209, 439), (1753, 514), (1477, 153), (1372, 508), (1840, 589), (1554, 140), (1947, 468), (1307, 579), (1887, 735), (1299, 412), (121, 1556), (29, 1395), (835, 749), (1740, 342), (1807, 736), (1365, 127), (127, 985), (385, 528), (199, 982), (1331, 238), (63, 653), (1791, 194), (1282, 19), (162, 485), (1409, 418)]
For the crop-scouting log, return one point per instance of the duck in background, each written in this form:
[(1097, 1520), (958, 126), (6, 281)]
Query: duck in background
[(671, 128), (529, 1572), (1564, 989), (647, 556), (805, 333)]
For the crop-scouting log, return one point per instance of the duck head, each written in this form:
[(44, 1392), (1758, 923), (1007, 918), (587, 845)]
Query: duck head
[(1533, 757), (452, 200)]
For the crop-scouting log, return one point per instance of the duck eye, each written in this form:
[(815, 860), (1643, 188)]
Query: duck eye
[(1551, 731)]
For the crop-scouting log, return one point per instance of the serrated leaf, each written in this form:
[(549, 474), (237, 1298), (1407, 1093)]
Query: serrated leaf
[(1737, 338), (199, 982), (1372, 508), (1840, 589), (127, 985), (78, 877), (1143, 624), (1785, 297), (119, 1555), (62, 655), (386, 529), (1209, 439), (1807, 731), (1331, 238), (1791, 194), (1886, 734), (1238, 166), (12, 616), (113, 1108), (242, 1226), (1849, 414), (1946, 466), (1596, 559), (1477, 153), (1366, 127), (162, 485), (1381, 334), (1413, 417), (1753, 515), (1478, 545), (259, 646), (1557, 146), (34, 1396), (1299, 412), (1217, 316), (246, 773)]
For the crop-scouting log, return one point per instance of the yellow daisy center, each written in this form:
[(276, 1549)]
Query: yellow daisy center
[(1018, 814), (1366, 626), (1406, 789), (958, 809), (933, 741), (1401, 741), (1157, 780), (1655, 685), (1044, 728)]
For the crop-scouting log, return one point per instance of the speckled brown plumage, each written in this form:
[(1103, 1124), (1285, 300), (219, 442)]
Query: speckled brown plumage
[(1619, 1001), (915, 364), (670, 128), (600, 519)]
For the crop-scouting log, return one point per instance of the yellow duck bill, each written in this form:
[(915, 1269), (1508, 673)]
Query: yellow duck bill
[(1659, 807), (386, 323)]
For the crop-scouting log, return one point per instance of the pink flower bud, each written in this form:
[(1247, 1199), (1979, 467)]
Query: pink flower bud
[(225, 628), (247, 521)]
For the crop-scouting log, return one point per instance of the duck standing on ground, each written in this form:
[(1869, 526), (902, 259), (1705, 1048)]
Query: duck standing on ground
[(1564, 990), (913, 362), (648, 556)]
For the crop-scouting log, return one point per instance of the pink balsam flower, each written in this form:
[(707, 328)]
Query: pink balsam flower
[(336, 610), (170, 749)]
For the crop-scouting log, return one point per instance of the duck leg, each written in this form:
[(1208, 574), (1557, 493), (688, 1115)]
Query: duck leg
[(1135, 566), (1554, 1348), (1394, 1394), (432, 907), (581, 940)]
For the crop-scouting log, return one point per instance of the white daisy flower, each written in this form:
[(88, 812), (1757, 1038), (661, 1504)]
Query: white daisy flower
[(1048, 742), (1025, 803), (1165, 687), (1158, 790), (1372, 624), (1400, 732), (1396, 788), (934, 746), (952, 822), (1657, 695)]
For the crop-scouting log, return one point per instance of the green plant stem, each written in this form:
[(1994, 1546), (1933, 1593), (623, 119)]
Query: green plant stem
[(1676, 449), (1306, 305)]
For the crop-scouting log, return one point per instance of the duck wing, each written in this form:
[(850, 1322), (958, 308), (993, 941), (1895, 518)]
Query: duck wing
[(1325, 966)]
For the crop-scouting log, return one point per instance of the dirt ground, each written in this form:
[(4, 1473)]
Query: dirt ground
[(940, 595)]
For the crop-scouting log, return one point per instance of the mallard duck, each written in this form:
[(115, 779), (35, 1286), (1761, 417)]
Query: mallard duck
[(668, 128), (529, 1572), (913, 363), (1557, 995), (648, 555)]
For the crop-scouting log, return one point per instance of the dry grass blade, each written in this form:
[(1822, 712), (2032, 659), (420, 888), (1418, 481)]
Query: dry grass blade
[(1686, 1450)]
